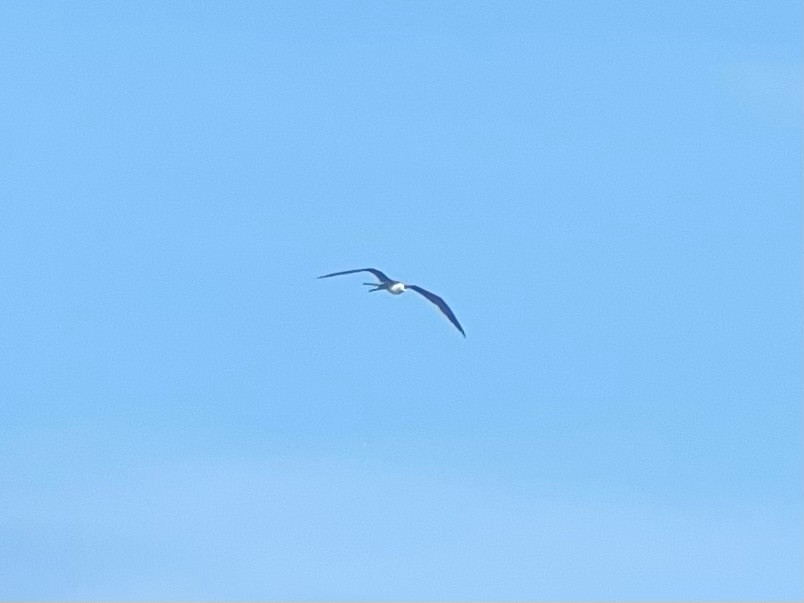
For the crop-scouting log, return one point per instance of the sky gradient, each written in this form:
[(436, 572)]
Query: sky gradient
[(608, 195)]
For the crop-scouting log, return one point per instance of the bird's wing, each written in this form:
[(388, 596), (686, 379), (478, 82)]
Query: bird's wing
[(442, 305), (380, 276)]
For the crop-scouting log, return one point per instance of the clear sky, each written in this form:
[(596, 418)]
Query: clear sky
[(608, 194)]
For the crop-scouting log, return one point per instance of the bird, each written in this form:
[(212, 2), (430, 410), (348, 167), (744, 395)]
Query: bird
[(398, 287)]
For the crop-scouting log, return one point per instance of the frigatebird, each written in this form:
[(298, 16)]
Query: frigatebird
[(397, 287)]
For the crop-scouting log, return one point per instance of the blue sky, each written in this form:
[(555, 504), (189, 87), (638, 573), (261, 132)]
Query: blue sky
[(608, 194)]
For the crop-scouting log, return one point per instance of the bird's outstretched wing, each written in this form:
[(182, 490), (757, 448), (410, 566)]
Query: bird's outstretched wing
[(380, 275), (442, 305)]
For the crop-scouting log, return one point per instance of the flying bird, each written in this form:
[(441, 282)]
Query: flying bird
[(397, 287)]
